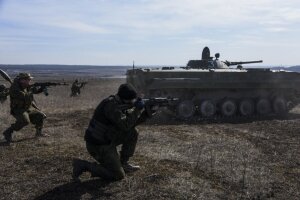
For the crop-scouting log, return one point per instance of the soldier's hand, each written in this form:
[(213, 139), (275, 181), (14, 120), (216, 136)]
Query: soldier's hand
[(139, 104), (153, 110)]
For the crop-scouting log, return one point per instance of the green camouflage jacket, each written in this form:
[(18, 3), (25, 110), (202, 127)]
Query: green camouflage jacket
[(112, 120), (22, 98)]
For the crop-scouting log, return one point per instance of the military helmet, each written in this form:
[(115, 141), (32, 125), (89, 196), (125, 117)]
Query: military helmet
[(24, 76), (127, 92)]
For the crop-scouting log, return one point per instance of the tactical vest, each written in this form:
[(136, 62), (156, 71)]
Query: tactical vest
[(99, 114), (17, 101), (97, 131)]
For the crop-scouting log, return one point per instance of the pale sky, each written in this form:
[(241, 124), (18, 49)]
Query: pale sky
[(150, 32)]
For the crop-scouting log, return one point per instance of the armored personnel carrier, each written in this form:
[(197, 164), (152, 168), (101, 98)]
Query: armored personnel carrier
[(210, 87)]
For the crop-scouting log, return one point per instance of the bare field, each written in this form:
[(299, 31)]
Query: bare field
[(245, 159)]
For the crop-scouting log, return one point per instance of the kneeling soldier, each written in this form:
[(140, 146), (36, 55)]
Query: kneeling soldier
[(112, 124)]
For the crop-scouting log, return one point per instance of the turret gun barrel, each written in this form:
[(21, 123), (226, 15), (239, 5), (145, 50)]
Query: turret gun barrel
[(228, 63)]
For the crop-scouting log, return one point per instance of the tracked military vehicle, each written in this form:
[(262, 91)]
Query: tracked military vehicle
[(210, 87)]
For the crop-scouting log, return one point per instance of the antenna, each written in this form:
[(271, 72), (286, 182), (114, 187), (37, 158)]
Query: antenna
[(133, 65)]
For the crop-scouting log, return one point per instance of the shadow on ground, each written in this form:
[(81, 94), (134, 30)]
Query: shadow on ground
[(4, 143), (92, 189)]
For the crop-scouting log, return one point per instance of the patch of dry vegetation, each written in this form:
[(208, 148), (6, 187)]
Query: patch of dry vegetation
[(197, 160)]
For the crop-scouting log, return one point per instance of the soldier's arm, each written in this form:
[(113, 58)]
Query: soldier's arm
[(36, 90), (144, 116), (122, 121), (18, 94), (21, 96)]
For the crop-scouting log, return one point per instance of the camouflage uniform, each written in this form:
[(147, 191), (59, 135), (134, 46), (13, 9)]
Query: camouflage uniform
[(22, 107), (75, 89), (110, 126)]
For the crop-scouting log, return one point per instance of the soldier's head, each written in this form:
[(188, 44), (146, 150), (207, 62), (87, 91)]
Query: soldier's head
[(24, 79), (76, 80), (127, 93)]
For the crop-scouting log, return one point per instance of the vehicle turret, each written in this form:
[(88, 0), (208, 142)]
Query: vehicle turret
[(207, 62)]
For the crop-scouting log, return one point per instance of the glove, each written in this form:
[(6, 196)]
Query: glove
[(139, 104), (45, 91), (155, 108), (152, 111)]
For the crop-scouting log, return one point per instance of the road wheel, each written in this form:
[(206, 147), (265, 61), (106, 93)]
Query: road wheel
[(263, 106), (207, 108), (280, 105), (186, 109), (246, 107), (228, 108)]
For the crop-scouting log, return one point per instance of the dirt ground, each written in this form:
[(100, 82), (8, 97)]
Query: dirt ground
[(200, 159)]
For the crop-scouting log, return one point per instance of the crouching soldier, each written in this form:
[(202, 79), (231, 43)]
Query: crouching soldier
[(112, 124), (23, 107)]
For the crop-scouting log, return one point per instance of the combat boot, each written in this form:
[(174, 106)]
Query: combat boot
[(129, 167), (79, 166), (39, 133), (8, 135)]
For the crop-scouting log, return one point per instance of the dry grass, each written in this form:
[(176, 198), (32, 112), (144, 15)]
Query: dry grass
[(197, 160)]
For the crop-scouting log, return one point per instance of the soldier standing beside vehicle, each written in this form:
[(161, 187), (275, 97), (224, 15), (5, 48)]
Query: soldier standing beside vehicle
[(23, 107), (111, 125)]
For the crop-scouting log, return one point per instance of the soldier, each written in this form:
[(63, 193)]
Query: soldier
[(23, 107), (112, 124), (4, 92), (75, 89)]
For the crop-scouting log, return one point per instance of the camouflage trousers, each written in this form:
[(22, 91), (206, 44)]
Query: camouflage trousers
[(25, 117), (110, 166)]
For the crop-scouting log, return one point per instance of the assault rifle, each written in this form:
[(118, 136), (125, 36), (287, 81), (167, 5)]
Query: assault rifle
[(83, 84), (45, 86), (152, 104)]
